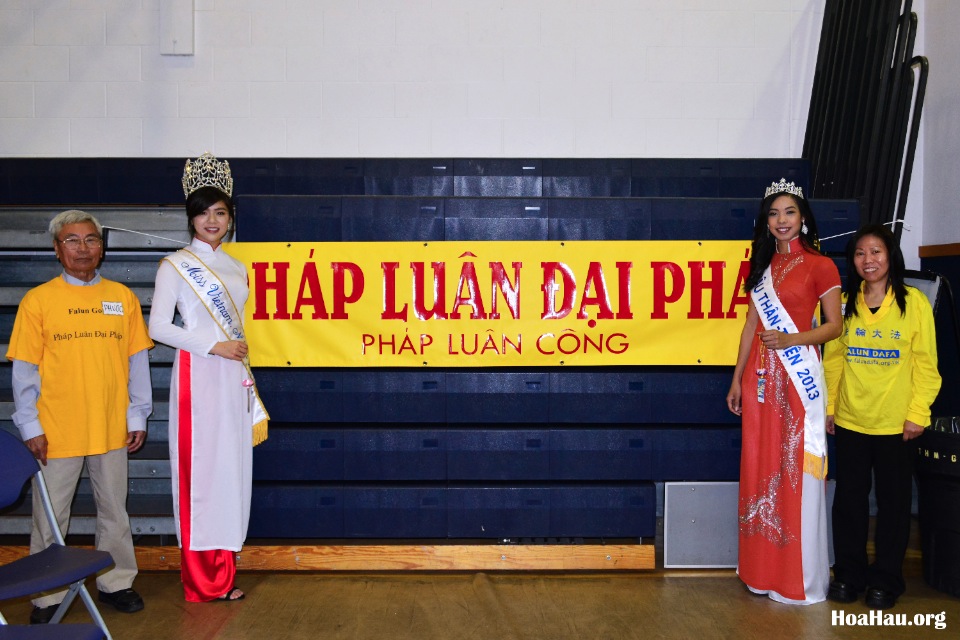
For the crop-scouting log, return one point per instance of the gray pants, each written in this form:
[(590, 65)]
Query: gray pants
[(108, 476)]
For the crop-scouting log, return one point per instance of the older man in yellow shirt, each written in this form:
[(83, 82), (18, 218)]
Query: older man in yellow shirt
[(81, 384)]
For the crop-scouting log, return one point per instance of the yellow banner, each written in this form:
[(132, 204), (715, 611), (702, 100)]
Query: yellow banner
[(494, 304)]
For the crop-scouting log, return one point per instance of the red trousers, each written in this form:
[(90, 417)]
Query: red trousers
[(206, 575)]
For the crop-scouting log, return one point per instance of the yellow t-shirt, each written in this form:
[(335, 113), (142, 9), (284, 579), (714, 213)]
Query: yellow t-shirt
[(81, 338)]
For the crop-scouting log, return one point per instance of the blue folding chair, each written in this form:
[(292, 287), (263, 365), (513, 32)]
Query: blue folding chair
[(55, 567), (51, 632)]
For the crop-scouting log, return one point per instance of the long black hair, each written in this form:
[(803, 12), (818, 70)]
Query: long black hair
[(894, 276), (204, 198), (765, 245)]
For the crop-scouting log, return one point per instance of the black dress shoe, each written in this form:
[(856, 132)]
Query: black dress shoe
[(43, 615), (125, 600), (880, 599), (840, 591)]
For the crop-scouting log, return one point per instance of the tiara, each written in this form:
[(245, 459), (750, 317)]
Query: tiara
[(783, 187), (207, 171)]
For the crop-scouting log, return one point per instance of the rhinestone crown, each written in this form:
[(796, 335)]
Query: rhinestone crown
[(207, 171), (784, 187)]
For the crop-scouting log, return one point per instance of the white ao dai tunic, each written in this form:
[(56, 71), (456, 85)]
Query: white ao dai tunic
[(209, 406)]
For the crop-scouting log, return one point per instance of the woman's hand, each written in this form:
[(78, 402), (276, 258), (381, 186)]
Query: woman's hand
[(231, 350), (773, 339), (911, 430), (831, 425), (733, 398)]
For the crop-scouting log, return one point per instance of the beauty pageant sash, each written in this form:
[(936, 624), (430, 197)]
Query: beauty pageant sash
[(217, 301), (804, 370)]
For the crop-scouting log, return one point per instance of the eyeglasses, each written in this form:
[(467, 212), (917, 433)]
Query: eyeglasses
[(73, 242)]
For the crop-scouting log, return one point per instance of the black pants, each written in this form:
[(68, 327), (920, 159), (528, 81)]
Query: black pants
[(859, 459)]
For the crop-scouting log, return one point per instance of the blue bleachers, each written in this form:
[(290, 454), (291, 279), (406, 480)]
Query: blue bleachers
[(468, 453), (395, 454), (296, 510), (301, 453), (626, 453), (406, 219), (143, 181), (394, 512)]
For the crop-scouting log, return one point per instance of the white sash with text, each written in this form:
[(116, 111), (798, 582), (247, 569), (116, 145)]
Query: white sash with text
[(803, 367), (216, 299)]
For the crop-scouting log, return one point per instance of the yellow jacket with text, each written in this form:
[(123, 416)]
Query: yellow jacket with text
[(882, 370)]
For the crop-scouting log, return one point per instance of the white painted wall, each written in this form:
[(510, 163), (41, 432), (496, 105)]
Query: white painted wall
[(941, 118), (410, 78), (448, 78)]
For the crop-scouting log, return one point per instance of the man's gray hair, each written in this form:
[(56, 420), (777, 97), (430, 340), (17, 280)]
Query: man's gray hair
[(71, 216)]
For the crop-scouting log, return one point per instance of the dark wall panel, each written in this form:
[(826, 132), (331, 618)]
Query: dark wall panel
[(394, 512), (394, 396), (746, 177), (672, 177), (687, 395), (600, 454), (498, 177), (586, 178), (948, 346), (296, 511), (603, 512), (299, 176), (835, 217), (408, 177), (496, 219), (590, 397), (702, 219), (392, 219), (136, 180), (488, 397), (289, 218), (498, 512), (599, 219), (259, 175), (488, 454), (386, 454), (86, 181), (696, 454), (302, 395), (70, 182), (300, 453)]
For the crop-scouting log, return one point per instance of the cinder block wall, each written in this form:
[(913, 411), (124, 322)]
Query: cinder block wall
[(410, 78)]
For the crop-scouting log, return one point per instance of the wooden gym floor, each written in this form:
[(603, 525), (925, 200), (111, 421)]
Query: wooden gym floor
[(696, 604)]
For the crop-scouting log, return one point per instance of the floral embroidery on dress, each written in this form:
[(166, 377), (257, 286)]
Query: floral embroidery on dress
[(760, 515)]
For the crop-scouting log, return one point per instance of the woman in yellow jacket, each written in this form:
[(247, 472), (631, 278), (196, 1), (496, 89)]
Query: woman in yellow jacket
[(881, 376)]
